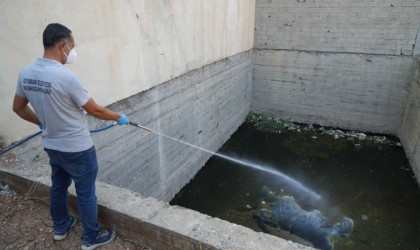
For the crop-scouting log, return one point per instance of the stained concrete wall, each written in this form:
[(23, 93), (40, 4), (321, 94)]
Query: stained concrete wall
[(354, 91), (337, 63), (203, 107), (410, 129), (359, 26), (124, 47)]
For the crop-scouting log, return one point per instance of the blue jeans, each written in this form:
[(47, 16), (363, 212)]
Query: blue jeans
[(82, 168)]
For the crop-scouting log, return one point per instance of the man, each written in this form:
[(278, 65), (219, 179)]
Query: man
[(58, 100)]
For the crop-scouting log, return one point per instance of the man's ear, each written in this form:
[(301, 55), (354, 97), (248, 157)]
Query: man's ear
[(61, 45)]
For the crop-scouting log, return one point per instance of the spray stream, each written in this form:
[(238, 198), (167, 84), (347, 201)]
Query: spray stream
[(241, 162)]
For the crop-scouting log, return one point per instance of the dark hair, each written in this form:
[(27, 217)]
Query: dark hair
[(54, 33)]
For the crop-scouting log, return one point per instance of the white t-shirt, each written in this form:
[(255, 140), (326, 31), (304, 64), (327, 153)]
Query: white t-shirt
[(57, 95)]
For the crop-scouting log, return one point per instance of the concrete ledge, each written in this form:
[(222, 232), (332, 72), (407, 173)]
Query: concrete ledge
[(154, 223)]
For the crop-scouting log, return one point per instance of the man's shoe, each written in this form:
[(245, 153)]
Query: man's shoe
[(64, 235), (104, 237)]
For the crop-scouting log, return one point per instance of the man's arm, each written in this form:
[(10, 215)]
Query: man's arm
[(21, 108), (100, 112)]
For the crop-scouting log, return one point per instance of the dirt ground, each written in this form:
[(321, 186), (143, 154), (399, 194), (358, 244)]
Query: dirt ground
[(26, 224)]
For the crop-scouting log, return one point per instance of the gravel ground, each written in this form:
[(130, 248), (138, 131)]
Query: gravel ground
[(26, 224)]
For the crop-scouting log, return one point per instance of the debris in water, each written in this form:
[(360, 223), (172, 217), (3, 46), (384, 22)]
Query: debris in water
[(276, 125), (364, 217), (309, 225)]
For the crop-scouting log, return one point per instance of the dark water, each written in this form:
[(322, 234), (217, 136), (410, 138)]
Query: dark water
[(368, 182)]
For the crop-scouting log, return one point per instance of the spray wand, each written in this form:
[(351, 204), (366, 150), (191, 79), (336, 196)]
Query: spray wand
[(140, 126)]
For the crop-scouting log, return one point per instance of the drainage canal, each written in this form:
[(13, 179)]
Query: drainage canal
[(369, 198)]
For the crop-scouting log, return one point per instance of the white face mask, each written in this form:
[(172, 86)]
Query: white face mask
[(71, 57)]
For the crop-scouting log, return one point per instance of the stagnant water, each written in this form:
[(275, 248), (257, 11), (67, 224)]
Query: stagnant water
[(371, 183), (273, 172)]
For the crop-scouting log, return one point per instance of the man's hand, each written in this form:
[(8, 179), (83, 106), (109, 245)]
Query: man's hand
[(123, 120)]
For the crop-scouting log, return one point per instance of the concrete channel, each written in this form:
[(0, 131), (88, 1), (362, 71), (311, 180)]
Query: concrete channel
[(140, 173), (299, 68)]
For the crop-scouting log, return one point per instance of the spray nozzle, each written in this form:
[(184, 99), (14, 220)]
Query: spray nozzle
[(140, 126)]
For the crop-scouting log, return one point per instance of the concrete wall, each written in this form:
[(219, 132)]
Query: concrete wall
[(203, 107), (410, 129), (354, 91), (124, 47), (358, 26), (337, 63)]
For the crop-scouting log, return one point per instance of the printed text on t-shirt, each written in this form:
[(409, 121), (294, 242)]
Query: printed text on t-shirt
[(37, 85)]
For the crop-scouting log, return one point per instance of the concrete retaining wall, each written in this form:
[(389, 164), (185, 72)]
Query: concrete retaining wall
[(354, 91), (357, 26), (355, 86), (203, 107), (410, 129)]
